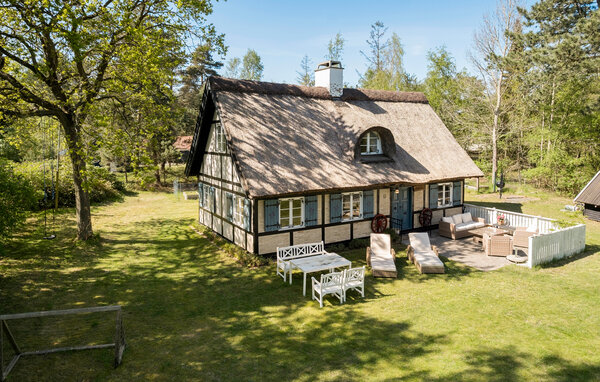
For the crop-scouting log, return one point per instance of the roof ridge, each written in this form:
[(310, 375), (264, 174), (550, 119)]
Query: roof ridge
[(218, 83)]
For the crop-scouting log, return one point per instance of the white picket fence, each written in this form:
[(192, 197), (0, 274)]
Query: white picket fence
[(513, 219), (556, 245)]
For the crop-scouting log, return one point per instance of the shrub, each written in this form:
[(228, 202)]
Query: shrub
[(102, 185), (16, 198)]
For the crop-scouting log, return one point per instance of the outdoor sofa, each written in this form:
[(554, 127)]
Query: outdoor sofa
[(459, 225)]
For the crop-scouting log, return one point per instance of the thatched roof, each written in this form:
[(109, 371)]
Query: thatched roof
[(291, 139), (183, 142), (591, 192)]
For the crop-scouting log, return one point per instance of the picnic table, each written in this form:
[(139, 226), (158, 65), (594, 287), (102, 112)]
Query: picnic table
[(319, 263)]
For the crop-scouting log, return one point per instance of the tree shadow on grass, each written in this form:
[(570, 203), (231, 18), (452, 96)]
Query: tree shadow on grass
[(191, 313), (508, 364), (513, 207)]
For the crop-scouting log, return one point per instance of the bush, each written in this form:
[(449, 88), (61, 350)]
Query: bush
[(16, 198), (102, 185)]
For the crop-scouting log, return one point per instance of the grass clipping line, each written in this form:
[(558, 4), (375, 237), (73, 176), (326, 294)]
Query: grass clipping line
[(239, 254)]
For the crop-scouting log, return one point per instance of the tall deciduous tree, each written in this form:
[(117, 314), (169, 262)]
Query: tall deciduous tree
[(57, 59), (252, 67), (493, 43), (233, 68)]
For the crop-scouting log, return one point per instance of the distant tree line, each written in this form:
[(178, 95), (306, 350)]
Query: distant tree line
[(117, 82)]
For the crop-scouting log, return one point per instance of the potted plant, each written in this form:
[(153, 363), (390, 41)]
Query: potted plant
[(501, 219)]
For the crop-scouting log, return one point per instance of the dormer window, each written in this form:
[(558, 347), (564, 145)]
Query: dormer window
[(370, 144)]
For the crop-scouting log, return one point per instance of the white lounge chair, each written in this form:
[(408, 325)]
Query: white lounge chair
[(331, 283), (424, 255), (354, 278), (381, 257)]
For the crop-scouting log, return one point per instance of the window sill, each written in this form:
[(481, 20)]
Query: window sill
[(377, 158), (290, 228), (352, 220)]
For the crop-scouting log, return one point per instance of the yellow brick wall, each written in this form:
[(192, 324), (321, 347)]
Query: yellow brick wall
[(337, 233), (384, 203), (269, 244), (362, 229), (307, 236)]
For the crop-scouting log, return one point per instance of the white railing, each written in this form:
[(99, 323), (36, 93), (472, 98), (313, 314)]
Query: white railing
[(556, 245), (513, 219)]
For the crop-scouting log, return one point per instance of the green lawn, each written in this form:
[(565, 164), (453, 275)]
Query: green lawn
[(191, 313)]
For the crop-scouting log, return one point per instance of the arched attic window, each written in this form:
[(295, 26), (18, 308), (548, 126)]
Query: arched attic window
[(370, 144), (375, 145)]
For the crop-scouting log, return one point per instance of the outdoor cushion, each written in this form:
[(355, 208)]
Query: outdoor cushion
[(419, 241), (448, 219), (466, 217), (381, 245), (457, 219), (462, 226), (531, 229), (383, 264), (429, 262), (427, 258)]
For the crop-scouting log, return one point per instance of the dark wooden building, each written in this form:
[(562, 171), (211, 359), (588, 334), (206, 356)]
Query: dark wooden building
[(590, 198), (282, 164)]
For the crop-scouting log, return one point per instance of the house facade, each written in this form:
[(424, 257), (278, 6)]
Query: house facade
[(279, 164)]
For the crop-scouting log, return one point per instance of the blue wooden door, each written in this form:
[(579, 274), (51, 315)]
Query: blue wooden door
[(402, 207)]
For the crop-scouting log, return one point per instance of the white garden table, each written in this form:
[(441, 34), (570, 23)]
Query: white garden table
[(319, 263)]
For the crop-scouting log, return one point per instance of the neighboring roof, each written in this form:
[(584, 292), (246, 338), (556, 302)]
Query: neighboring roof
[(183, 142), (591, 192), (289, 139)]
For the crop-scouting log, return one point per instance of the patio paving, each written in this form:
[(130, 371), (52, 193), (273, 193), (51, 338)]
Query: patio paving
[(465, 251)]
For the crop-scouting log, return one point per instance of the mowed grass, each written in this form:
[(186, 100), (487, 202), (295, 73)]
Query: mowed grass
[(192, 313)]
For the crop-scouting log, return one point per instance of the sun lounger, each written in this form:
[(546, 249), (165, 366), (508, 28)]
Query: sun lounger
[(381, 257), (423, 254)]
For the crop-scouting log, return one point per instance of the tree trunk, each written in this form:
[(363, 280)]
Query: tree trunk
[(82, 198), (162, 168), (157, 176), (495, 132)]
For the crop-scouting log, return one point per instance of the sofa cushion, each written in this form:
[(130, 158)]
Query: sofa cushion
[(448, 219), (532, 229), (457, 218), (466, 217), (477, 224), (462, 227)]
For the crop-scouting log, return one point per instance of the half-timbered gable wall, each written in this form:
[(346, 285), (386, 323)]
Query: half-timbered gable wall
[(224, 206)]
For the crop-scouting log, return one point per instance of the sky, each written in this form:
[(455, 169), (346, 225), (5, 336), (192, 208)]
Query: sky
[(282, 32)]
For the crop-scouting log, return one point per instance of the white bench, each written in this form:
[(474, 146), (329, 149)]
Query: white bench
[(285, 254)]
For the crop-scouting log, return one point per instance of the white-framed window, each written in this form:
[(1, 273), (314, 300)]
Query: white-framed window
[(229, 206), (291, 213), (220, 145), (352, 205), (444, 194), (206, 196), (370, 144), (238, 211)]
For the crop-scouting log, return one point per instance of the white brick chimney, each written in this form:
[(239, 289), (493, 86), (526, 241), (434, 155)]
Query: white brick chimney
[(329, 74)]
